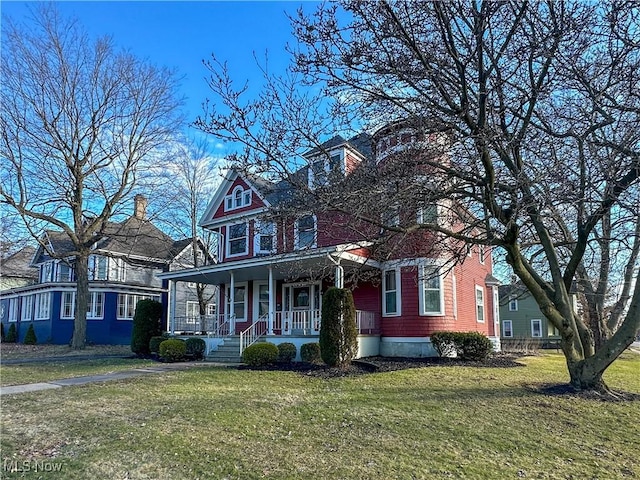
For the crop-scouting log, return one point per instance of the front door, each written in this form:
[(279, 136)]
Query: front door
[(302, 304)]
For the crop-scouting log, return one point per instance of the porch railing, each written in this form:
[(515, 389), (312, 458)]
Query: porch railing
[(306, 322), (214, 325), (251, 335)]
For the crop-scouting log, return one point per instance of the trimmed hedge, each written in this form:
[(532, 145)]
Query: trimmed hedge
[(260, 354), (173, 350), (12, 334), (196, 348), (286, 352), (310, 353), (30, 337), (466, 345), (154, 343), (146, 324), (338, 331)]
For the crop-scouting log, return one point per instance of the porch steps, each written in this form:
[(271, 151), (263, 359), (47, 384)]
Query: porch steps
[(228, 352)]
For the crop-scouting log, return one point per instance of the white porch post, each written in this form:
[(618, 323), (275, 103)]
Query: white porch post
[(232, 293), (339, 276), (172, 306), (271, 302)]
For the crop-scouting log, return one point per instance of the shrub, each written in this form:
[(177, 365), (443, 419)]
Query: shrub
[(196, 348), (445, 343), (1, 332), (310, 353), (466, 345), (338, 332), (30, 337), (12, 334), (173, 349), (146, 324), (286, 352), (260, 354), (154, 343), (475, 346)]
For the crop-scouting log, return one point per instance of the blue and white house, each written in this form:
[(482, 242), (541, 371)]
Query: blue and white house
[(123, 269)]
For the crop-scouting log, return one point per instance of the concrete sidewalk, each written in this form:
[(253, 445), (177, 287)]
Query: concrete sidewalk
[(124, 374)]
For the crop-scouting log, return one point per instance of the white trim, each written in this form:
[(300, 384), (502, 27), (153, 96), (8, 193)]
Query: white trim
[(422, 285), (42, 306), (227, 303), (228, 240), (513, 303), (398, 291), (454, 291), (480, 289), (296, 237), (258, 225), (256, 297), (532, 330), (504, 322)]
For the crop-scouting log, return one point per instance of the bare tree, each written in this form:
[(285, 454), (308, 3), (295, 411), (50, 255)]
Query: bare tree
[(80, 122), (526, 115), (194, 173)]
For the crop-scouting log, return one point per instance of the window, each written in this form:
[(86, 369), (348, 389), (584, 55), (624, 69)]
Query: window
[(68, 305), (264, 237), (127, 302), (238, 198), (239, 307), (431, 296), (305, 232), (551, 330), (193, 312), (65, 272), (427, 213), (98, 267), (211, 309), (513, 303), (42, 306), (117, 269), (483, 254), (13, 309), (391, 292), (479, 304), (27, 307), (391, 217), (46, 272), (237, 240), (95, 306), (507, 328), (536, 328), (322, 168)]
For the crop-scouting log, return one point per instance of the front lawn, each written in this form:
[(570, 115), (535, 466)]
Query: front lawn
[(431, 423)]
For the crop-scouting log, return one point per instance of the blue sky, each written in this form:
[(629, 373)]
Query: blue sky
[(181, 34)]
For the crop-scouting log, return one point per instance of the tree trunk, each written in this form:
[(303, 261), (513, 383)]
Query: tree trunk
[(586, 375), (78, 341)]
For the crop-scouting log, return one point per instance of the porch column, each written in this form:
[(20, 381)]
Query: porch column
[(271, 302), (339, 276), (172, 306), (232, 293)]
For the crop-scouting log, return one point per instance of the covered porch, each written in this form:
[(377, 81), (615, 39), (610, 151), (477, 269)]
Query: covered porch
[(276, 295)]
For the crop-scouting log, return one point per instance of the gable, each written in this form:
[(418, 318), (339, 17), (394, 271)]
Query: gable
[(235, 196)]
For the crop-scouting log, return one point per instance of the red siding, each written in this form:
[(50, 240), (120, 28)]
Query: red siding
[(256, 201)]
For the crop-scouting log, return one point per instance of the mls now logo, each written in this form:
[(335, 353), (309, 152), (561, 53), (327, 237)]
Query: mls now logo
[(31, 466)]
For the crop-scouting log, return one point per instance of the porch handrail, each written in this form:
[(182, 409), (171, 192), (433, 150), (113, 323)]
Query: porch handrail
[(214, 325), (250, 335)]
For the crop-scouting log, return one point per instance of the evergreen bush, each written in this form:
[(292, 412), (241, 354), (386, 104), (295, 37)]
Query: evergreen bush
[(154, 343), (1, 332), (310, 353), (173, 350), (338, 332), (30, 337), (196, 348), (146, 324), (466, 345), (12, 334), (260, 354), (286, 352)]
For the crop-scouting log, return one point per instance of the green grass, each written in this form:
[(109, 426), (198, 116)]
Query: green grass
[(45, 372), (431, 423)]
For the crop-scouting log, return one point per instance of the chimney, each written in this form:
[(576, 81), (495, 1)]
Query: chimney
[(140, 207)]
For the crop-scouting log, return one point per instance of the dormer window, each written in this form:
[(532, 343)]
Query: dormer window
[(238, 198), (323, 167)]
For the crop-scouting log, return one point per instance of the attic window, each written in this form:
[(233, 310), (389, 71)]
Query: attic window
[(322, 168), (238, 198)]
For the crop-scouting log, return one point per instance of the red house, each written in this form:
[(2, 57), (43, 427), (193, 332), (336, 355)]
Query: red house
[(272, 270)]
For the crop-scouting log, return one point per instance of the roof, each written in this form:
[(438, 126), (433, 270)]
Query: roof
[(361, 143), (132, 237), (18, 265)]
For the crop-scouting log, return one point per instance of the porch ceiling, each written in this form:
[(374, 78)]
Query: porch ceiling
[(315, 264)]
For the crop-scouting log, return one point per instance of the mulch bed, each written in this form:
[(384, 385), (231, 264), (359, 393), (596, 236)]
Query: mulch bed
[(387, 364)]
